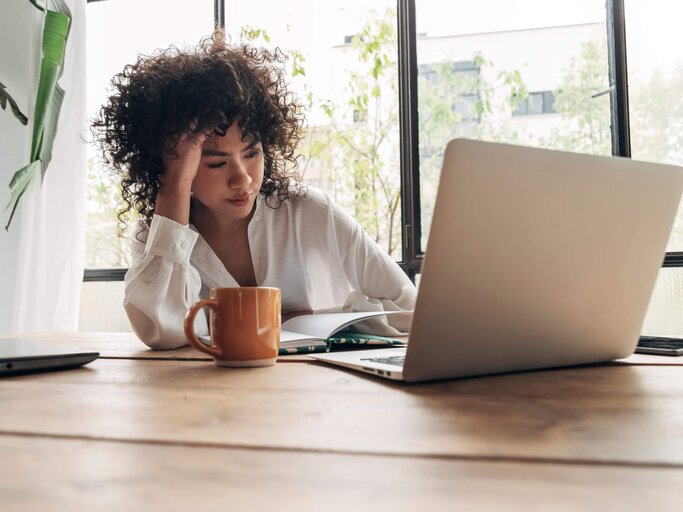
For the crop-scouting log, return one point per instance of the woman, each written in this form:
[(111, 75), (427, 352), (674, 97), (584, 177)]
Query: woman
[(204, 143)]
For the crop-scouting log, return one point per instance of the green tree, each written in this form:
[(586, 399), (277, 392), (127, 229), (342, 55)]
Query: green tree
[(656, 109), (467, 98), (656, 114), (359, 149), (583, 102), (104, 249)]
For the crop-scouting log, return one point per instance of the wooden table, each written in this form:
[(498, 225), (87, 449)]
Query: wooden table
[(143, 430)]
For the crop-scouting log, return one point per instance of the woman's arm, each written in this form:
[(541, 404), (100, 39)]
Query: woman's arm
[(378, 281), (161, 284)]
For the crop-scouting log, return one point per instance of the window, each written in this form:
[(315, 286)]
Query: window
[(655, 103), (360, 116), (507, 65), (655, 77), (387, 83), (535, 104), (115, 38), (461, 78)]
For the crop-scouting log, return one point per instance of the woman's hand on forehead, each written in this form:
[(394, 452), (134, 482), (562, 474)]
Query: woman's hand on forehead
[(181, 157), (180, 160)]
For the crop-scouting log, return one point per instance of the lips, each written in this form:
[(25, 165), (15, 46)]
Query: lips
[(242, 200)]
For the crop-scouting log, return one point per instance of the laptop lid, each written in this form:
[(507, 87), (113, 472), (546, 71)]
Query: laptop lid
[(538, 258), (19, 355)]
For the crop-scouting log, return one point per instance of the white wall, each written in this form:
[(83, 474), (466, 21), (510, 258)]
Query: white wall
[(19, 25)]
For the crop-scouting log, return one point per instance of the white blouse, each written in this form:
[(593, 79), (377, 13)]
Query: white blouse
[(320, 258)]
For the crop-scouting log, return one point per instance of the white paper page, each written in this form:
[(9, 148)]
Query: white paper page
[(287, 339), (286, 336), (325, 325)]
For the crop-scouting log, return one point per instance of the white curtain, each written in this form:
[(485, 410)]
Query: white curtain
[(52, 221)]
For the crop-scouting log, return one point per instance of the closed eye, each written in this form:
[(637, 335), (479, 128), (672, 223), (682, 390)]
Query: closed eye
[(253, 153), (217, 165)]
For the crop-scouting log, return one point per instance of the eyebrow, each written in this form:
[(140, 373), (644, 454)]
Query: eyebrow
[(216, 152)]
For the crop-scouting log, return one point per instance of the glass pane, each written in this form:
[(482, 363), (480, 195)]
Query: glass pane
[(664, 314), (343, 68), (117, 32), (527, 72), (655, 76)]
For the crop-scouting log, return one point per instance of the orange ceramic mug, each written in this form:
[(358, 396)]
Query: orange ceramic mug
[(244, 324)]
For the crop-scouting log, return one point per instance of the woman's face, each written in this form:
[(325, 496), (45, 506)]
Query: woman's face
[(230, 174)]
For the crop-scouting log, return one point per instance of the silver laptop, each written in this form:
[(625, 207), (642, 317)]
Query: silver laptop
[(19, 355), (536, 259)]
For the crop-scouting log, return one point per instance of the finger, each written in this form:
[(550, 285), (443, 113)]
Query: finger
[(193, 138)]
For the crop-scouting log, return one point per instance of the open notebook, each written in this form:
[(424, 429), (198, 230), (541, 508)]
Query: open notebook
[(319, 332)]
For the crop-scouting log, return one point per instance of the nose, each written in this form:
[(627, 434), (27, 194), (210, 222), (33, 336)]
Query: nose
[(239, 177)]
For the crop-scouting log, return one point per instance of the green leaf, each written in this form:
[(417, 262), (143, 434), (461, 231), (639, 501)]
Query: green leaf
[(18, 186), (60, 7), (55, 30), (251, 34), (49, 97), (377, 68), (6, 98), (50, 129)]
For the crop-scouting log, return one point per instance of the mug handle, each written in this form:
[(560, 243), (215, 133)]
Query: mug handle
[(191, 336)]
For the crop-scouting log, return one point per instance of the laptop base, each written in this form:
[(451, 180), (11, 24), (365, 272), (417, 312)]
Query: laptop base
[(368, 361)]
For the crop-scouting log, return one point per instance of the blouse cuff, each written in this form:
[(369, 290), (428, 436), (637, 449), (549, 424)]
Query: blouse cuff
[(170, 239)]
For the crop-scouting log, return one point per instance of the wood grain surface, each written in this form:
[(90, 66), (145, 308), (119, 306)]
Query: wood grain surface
[(70, 475), (145, 430), (598, 414), (127, 345)]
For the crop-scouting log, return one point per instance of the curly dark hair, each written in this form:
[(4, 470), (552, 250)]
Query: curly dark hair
[(203, 89)]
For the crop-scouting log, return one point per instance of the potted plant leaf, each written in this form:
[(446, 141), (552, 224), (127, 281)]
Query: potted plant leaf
[(49, 98)]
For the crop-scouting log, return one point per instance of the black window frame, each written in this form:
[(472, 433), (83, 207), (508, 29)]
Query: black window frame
[(412, 252)]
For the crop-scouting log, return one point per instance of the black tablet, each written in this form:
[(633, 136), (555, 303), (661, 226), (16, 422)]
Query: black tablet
[(19, 355)]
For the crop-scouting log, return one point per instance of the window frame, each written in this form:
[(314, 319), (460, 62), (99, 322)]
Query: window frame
[(412, 252)]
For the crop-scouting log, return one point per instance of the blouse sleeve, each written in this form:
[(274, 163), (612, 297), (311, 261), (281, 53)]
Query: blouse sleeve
[(379, 283), (161, 285)]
